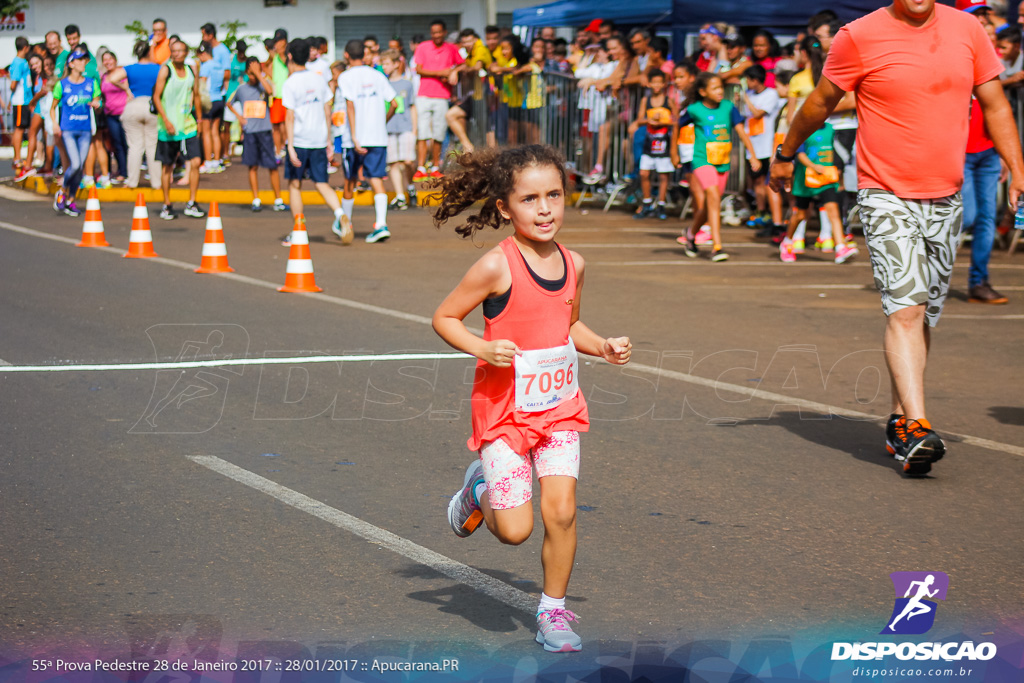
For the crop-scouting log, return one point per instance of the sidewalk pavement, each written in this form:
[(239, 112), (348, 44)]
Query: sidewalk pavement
[(229, 187)]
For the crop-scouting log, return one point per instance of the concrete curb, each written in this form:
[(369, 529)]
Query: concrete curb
[(179, 195)]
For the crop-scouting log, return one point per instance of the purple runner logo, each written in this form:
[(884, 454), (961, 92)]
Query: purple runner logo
[(913, 612)]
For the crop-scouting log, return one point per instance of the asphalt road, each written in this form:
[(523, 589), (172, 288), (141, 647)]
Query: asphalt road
[(706, 512)]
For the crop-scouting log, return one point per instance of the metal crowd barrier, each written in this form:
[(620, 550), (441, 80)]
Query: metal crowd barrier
[(587, 126), (6, 111), (549, 108)]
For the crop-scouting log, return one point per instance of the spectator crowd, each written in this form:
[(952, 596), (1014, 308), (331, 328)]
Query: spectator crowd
[(640, 113)]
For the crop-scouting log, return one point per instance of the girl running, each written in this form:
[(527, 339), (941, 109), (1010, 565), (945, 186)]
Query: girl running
[(713, 120), (527, 409)]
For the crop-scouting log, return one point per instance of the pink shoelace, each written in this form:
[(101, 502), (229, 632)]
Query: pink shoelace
[(559, 618)]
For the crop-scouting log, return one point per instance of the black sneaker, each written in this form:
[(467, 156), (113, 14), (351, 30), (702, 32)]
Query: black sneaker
[(690, 248), (892, 443), (662, 213), (192, 210), (167, 213), (646, 211), (719, 255), (918, 446)]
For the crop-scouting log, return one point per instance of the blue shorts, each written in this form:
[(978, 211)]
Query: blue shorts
[(373, 163), (312, 165), (258, 150)]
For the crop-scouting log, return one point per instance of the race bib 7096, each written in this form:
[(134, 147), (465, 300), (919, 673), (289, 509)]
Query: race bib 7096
[(546, 377)]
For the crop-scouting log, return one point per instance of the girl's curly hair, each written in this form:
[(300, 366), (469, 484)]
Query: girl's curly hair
[(489, 175)]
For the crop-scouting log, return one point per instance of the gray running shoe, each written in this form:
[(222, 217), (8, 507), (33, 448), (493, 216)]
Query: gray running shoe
[(554, 632), (342, 227), (464, 514)]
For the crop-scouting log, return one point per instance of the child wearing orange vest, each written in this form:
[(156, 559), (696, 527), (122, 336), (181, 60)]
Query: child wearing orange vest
[(527, 408)]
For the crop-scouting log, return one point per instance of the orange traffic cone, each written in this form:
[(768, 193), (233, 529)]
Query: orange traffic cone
[(92, 230), (141, 239), (215, 252), (299, 276)]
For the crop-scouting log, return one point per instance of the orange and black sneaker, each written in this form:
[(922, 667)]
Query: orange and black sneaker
[(892, 442), (917, 446)]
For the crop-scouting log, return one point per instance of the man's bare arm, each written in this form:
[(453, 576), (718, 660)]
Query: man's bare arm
[(1003, 131), (816, 108)]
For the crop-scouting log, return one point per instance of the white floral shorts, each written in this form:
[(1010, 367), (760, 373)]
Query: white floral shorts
[(509, 475)]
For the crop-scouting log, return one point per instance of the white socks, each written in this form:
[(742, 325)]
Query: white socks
[(338, 212), (826, 225), (826, 228), (547, 602), (346, 206), (380, 205)]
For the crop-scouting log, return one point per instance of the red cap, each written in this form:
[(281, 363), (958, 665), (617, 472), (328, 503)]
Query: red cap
[(970, 5), (593, 26)]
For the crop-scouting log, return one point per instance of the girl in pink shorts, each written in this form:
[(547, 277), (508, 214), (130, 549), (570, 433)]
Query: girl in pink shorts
[(714, 121), (527, 408)]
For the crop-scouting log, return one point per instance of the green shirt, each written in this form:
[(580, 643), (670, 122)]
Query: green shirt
[(818, 149), (178, 101), (278, 74), (712, 128), (237, 76)]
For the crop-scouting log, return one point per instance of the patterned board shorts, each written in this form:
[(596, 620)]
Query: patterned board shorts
[(509, 475), (913, 244)]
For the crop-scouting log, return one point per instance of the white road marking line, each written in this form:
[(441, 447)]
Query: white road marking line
[(660, 245), (806, 264), (232, 276), (864, 287), (618, 229), (513, 597), (707, 262), (17, 195), (692, 379), (179, 365), (983, 317), (823, 408)]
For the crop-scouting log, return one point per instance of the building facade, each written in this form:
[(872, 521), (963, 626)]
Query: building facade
[(102, 22)]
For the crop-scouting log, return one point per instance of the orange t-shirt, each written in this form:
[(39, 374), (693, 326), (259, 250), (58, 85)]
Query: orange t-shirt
[(160, 52), (913, 90)]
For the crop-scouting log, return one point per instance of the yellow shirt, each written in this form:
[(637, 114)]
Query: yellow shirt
[(535, 89), (499, 59), (480, 53), (512, 88), (801, 86)]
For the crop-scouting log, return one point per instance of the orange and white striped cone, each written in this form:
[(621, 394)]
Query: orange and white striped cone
[(299, 276), (215, 252), (140, 242), (92, 229)]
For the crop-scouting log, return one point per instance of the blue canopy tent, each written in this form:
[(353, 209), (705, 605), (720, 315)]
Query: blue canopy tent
[(689, 15), (582, 12), (777, 13)]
